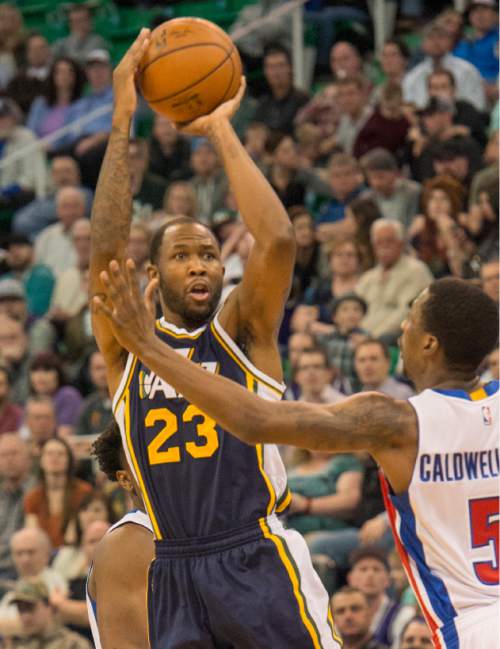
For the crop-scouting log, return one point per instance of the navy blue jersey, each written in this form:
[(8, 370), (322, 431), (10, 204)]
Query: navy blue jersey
[(197, 479)]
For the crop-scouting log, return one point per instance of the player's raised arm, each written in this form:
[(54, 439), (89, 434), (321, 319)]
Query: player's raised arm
[(112, 208), (256, 306), (372, 422)]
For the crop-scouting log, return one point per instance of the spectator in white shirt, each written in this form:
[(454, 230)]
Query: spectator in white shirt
[(437, 45)]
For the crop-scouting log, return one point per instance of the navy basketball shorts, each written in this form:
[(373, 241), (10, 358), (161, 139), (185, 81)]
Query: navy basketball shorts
[(254, 588)]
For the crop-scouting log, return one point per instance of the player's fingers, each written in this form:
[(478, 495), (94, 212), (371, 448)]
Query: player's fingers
[(241, 89), (118, 279), (109, 285)]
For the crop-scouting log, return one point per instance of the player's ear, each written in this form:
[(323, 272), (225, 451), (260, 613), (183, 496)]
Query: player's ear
[(431, 345), (124, 480), (152, 271)]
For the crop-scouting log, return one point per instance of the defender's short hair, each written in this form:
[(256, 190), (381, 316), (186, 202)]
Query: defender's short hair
[(464, 320), (108, 450)]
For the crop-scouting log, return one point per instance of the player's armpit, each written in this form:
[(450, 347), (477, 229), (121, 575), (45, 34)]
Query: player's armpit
[(120, 576)]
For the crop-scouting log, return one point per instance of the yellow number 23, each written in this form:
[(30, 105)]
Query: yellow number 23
[(205, 430)]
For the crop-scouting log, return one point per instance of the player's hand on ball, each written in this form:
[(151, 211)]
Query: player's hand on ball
[(202, 126), (131, 314), (124, 91)]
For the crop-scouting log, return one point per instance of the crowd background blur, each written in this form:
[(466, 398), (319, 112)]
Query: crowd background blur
[(387, 162)]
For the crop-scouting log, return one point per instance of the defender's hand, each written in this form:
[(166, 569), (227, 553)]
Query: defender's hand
[(132, 315), (124, 91), (203, 126)]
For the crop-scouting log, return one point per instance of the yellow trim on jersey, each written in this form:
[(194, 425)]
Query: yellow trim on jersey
[(285, 502), (126, 384), (240, 363), (308, 623), (331, 624), (174, 335), (479, 394), (272, 495)]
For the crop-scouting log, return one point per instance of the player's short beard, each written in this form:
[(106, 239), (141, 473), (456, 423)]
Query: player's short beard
[(192, 319)]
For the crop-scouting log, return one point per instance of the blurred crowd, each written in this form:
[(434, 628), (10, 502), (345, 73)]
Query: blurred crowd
[(388, 168)]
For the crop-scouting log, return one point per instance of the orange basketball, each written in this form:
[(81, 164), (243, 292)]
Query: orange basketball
[(190, 67)]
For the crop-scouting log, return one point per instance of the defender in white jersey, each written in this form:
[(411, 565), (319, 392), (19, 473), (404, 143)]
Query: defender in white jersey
[(439, 451), (118, 577)]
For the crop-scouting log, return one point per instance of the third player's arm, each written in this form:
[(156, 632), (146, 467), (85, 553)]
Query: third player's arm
[(112, 208)]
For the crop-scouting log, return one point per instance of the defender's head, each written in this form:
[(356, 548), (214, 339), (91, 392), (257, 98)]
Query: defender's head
[(185, 257), (451, 327)]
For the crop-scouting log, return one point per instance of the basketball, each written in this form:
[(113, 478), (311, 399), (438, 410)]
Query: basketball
[(190, 67)]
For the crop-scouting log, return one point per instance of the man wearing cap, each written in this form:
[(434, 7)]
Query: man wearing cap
[(87, 143), (40, 630), (26, 177), (81, 40), (437, 46), (37, 279), (480, 47)]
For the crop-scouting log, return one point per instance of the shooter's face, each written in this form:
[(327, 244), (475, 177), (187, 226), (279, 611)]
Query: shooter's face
[(190, 273), (411, 339)]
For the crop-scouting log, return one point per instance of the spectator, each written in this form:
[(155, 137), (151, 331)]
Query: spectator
[(322, 111), (372, 361), (26, 177), (387, 126), (70, 293), (325, 489), (12, 38), (81, 40), (15, 480), (180, 199), (360, 214), (441, 85), (452, 20), (370, 573), (297, 343), (38, 621), (169, 151), (13, 304), (340, 341), (325, 19), (395, 281), (482, 221), (344, 265), (306, 269), (50, 111), (352, 618), (14, 352), (37, 279), (345, 60), (394, 59), (30, 550), (10, 413), (255, 139), (490, 275), (397, 198), (314, 376), (278, 108), (480, 47), (88, 143), (282, 173), (29, 81), (54, 245), (208, 181), (96, 410), (147, 188), (416, 635), (72, 608), (39, 422), (489, 174), (437, 44), (346, 182), (138, 249), (46, 377), (440, 142), (52, 504), (354, 111), (436, 236), (40, 213)]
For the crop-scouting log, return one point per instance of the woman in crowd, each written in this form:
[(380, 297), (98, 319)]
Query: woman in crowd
[(360, 214), (46, 377), (436, 235), (282, 171), (52, 504), (49, 112)]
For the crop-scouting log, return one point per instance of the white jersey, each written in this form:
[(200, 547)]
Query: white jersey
[(134, 517), (446, 525)]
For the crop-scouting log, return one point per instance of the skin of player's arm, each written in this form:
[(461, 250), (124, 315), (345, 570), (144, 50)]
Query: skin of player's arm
[(120, 578), (112, 207)]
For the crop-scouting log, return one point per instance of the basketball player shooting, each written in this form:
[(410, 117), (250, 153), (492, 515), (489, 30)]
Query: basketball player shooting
[(438, 451), (226, 572)]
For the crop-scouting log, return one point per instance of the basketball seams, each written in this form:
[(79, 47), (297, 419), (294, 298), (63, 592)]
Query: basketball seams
[(183, 47), (192, 85)]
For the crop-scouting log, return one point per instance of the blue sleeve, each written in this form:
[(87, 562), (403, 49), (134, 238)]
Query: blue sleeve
[(36, 115)]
